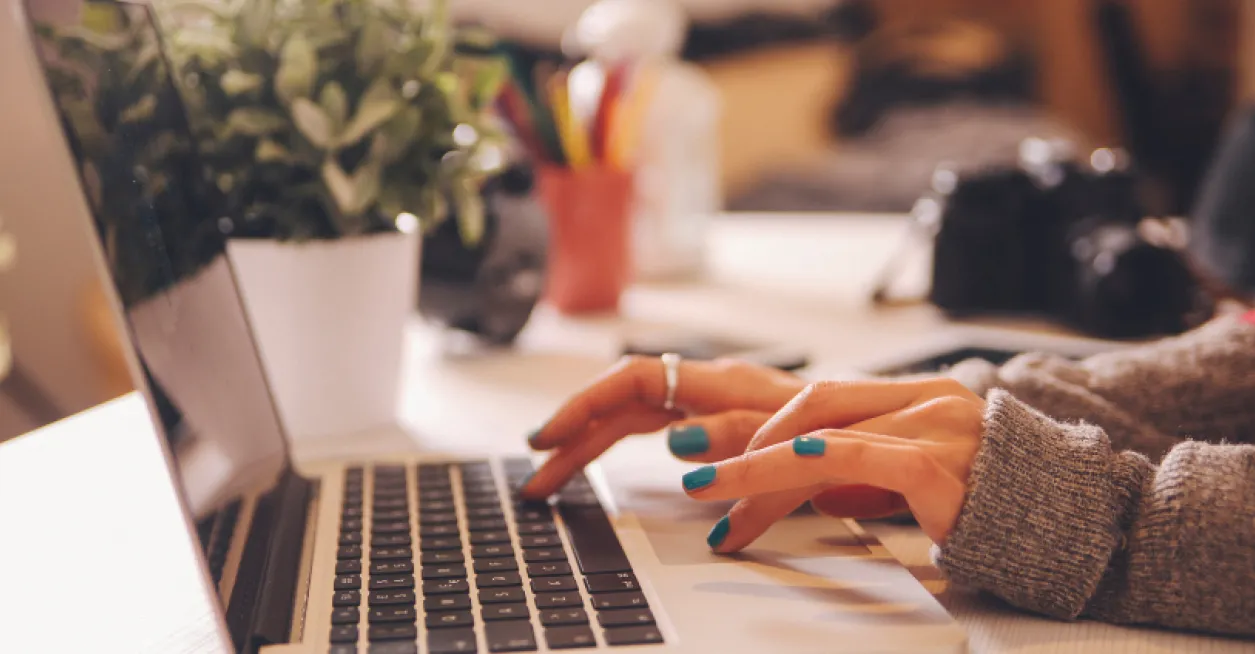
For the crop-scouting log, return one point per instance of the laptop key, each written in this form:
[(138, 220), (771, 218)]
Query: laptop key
[(554, 584), (442, 556), (447, 603), (448, 619), (351, 524), (480, 501), (570, 637), (536, 528), (597, 548), (436, 506), (348, 567), (390, 540), (510, 636), (515, 611), (345, 615), (611, 582), (392, 614), (344, 633), (554, 617), (533, 515), (439, 531), (445, 586), (484, 512), (543, 555), (343, 648), (619, 601), (498, 579), (351, 538), (349, 552), (346, 598), (624, 617), (391, 553), (391, 515), (351, 512), (392, 631), (489, 537), (390, 528), (348, 582), (496, 565), (391, 567), (558, 600), (391, 582), (640, 635), (433, 543), (501, 595), (493, 550), (485, 524), (437, 518), (391, 647), (451, 641), (546, 540), (552, 569), (385, 503), (446, 571), (391, 597)]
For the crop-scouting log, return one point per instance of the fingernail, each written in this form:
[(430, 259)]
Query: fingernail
[(531, 438), (687, 440), (718, 532), (808, 446), (699, 478)]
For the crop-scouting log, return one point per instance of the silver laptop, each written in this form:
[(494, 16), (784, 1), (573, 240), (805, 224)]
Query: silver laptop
[(147, 499)]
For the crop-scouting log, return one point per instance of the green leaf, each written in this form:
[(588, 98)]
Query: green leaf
[(236, 82), (298, 64), (212, 45), (338, 183), (396, 136), (335, 104), (373, 46), (487, 82), (140, 111), (352, 195), (186, 11), (270, 152), (255, 20), (254, 121), (312, 123), (470, 211), (379, 104)]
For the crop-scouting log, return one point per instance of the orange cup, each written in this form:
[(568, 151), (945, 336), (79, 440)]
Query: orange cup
[(589, 237)]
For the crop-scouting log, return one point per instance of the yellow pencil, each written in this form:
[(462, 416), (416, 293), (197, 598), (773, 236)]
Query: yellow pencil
[(572, 135), (629, 116)]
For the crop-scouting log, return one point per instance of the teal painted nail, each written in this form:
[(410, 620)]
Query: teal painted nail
[(808, 446), (688, 440), (699, 478), (718, 532)]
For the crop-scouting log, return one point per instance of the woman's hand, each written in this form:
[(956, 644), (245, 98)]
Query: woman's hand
[(852, 446), (726, 401)]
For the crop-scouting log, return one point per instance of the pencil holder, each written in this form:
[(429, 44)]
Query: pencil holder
[(589, 236)]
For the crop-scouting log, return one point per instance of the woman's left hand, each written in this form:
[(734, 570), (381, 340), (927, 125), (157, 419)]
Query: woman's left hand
[(848, 447)]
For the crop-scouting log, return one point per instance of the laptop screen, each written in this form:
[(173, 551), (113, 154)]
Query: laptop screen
[(154, 208)]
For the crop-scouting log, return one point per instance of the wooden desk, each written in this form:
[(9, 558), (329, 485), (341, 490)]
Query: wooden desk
[(798, 280)]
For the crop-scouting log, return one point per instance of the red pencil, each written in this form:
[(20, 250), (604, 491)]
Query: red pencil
[(603, 120)]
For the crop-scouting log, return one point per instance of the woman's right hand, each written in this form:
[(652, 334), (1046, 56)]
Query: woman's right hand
[(720, 405)]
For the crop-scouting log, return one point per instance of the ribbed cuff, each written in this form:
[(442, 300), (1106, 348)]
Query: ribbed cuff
[(1042, 515)]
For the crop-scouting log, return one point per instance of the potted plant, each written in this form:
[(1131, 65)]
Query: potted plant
[(335, 130)]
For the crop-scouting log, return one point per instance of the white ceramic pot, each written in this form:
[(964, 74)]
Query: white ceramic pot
[(330, 318)]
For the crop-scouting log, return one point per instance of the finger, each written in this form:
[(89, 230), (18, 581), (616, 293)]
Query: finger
[(905, 467), (714, 437), (571, 457), (858, 501), (754, 515), (703, 387), (838, 404)]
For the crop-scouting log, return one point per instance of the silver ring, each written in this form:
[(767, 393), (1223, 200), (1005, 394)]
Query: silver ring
[(671, 372)]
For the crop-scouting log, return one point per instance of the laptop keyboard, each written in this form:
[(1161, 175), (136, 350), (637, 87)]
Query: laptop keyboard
[(215, 533), (484, 563)]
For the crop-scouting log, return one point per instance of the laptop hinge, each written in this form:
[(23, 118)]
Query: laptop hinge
[(266, 591)]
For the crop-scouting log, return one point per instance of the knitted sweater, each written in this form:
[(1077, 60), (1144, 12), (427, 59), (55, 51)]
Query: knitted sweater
[(1121, 487)]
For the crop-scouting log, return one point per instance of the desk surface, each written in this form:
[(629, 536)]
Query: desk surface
[(799, 280)]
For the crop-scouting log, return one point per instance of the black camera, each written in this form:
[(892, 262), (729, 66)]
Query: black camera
[(1060, 237)]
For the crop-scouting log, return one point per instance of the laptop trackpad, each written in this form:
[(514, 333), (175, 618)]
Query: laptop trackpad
[(676, 525)]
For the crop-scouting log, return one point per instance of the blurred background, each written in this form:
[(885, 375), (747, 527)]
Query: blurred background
[(821, 96)]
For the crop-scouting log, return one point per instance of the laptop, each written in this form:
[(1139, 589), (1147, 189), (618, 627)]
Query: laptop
[(148, 500)]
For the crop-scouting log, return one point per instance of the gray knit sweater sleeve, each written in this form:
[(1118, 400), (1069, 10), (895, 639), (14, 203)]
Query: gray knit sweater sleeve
[(1088, 496)]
